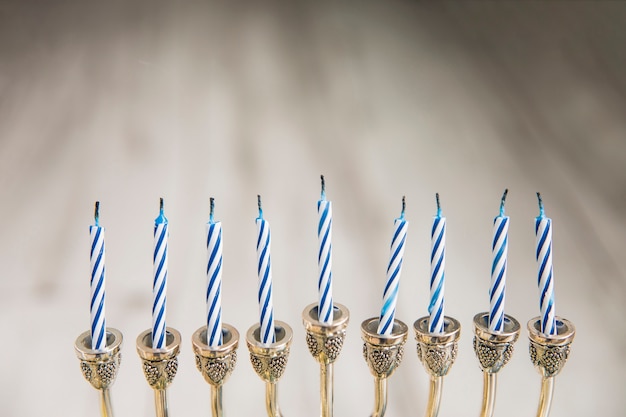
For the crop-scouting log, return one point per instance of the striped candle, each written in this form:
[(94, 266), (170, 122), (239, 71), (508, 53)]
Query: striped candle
[(543, 233), (96, 257), (214, 280), (390, 295), (437, 271), (264, 270), (159, 285), (499, 251), (325, 258)]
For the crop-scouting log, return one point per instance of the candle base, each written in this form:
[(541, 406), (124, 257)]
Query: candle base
[(437, 352), (549, 353), (383, 354), (493, 350), (159, 365), (100, 367), (216, 363), (325, 342), (269, 361)]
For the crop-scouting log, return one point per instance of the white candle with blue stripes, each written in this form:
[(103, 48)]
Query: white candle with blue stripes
[(394, 268), (325, 258), (545, 278), (97, 284), (437, 272), (499, 251), (214, 280), (159, 284), (264, 271)]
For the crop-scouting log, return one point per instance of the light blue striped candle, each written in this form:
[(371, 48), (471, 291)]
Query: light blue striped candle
[(325, 258), (214, 280), (394, 268), (499, 251), (264, 270), (96, 257), (545, 279), (159, 285), (437, 272)]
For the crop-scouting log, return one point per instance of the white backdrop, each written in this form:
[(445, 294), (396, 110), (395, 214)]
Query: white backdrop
[(125, 103)]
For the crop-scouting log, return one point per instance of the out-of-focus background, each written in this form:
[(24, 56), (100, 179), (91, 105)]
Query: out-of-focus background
[(126, 102)]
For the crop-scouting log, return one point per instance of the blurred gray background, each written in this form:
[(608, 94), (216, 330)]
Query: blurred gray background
[(126, 102)]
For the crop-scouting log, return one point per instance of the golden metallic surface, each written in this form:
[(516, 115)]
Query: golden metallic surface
[(269, 361), (549, 353), (437, 352), (100, 367), (493, 350), (159, 365), (325, 342), (216, 363), (383, 354)]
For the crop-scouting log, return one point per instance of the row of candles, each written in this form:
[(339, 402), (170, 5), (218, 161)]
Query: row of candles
[(543, 232)]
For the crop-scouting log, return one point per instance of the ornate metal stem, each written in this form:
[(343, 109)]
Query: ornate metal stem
[(383, 355), (325, 342), (549, 353), (100, 367), (216, 363), (159, 365), (437, 352), (270, 361), (493, 350)]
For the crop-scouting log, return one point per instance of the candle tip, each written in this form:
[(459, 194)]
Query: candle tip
[(323, 187), (540, 201), (403, 206), (212, 209), (96, 214), (258, 199), (161, 204), (438, 205), (506, 191)]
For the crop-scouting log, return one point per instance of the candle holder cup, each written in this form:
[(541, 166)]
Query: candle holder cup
[(216, 363), (159, 365), (549, 353), (437, 352), (493, 350), (269, 361), (100, 367), (383, 354), (325, 342)]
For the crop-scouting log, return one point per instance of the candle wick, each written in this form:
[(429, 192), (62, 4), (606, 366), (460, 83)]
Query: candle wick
[(438, 205), (258, 197), (161, 205), (323, 187), (212, 205), (506, 191), (403, 207), (96, 214), (540, 201)]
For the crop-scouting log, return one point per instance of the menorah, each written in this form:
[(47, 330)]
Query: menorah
[(383, 355)]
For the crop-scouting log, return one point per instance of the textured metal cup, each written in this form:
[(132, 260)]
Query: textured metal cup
[(218, 362), (325, 340), (159, 365), (494, 350), (269, 361), (383, 353), (549, 353), (437, 352), (100, 367)]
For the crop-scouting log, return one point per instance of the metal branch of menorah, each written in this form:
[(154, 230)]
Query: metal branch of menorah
[(383, 354)]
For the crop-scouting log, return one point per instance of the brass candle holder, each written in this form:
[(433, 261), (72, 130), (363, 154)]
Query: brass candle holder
[(325, 342), (100, 367), (159, 365), (549, 353), (216, 363), (493, 350), (383, 354), (269, 361), (437, 352)]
